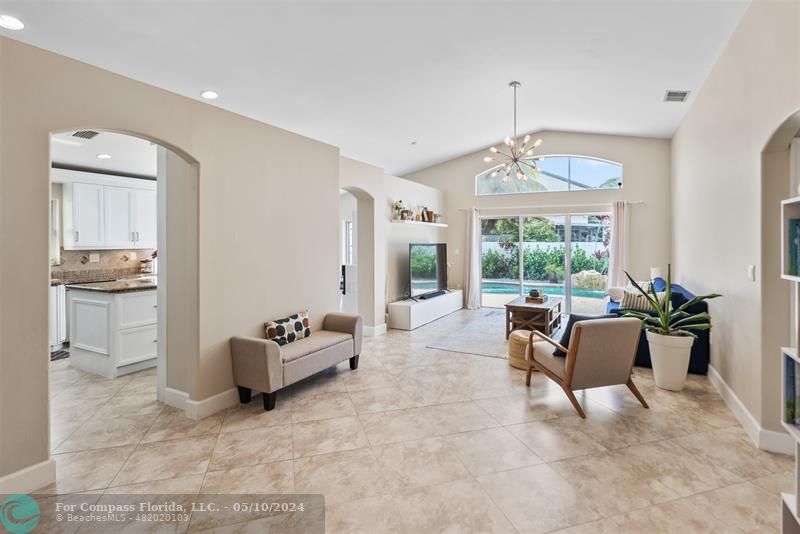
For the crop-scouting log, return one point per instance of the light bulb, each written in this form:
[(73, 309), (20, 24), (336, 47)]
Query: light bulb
[(527, 138), (529, 152), (493, 150), (487, 159), (520, 176), (495, 173), (507, 141), (505, 178), (537, 143)]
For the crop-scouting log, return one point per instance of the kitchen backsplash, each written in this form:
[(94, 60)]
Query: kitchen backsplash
[(113, 264)]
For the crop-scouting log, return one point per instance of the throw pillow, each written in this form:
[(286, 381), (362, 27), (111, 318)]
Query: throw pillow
[(615, 293), (288, 329), (575, 318), (633, 300)]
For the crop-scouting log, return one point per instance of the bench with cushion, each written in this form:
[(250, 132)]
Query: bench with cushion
[(264, 365)]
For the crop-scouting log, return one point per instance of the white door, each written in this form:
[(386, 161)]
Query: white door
[(87, 215), (146, 219), (118, 205)]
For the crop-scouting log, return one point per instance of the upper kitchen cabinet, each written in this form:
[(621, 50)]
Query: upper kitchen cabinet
[(87, 216), (107, 212), (145, 217)]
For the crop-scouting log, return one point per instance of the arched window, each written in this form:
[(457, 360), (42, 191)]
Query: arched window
[(558, 173)]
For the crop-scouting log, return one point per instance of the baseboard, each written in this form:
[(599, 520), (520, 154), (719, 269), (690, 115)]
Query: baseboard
[(767, 440), (374, 331), (199, 409), (175, 398), (29, 479)]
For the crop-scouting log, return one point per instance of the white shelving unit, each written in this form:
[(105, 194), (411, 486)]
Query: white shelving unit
[(790, 502), (421, 223)]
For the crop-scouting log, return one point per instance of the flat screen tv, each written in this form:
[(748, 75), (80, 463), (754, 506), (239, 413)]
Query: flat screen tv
[(427, 268)]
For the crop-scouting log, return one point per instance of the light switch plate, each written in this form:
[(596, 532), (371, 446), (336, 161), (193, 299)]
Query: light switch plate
[(751, 273), (94, 258)]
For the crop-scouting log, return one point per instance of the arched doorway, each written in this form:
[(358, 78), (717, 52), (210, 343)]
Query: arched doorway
[(780, 179), (364, 251), (158, 184)]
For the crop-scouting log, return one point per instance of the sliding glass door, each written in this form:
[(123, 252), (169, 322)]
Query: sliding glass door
[(500, 261), (543, 246), (590, 237), (562, 255)]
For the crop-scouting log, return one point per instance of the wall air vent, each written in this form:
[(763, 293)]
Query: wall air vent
[(86, 134), (676, 96)]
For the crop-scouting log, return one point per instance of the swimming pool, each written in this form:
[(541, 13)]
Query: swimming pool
[(509, 288)]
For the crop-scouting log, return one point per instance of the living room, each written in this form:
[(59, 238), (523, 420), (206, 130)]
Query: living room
[(664, 153)]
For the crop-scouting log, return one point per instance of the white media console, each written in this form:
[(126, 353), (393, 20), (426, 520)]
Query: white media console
[(411, 314)]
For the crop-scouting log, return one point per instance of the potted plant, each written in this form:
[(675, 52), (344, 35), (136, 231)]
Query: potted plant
[(669, 332)]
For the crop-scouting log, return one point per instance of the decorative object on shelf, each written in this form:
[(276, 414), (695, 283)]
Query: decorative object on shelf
[(669, 332), (398, 209), (519, 157), (535, 296), (794, 247)]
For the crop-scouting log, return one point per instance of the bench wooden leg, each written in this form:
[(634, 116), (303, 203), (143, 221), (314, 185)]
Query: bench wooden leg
[(244, 395), (269, 400), (354, 362)]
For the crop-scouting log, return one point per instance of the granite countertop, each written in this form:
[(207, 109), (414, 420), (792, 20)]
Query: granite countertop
[(118, 286)]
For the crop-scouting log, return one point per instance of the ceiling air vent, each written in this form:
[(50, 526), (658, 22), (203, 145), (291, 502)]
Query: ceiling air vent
[(676, 96), (86, 134)]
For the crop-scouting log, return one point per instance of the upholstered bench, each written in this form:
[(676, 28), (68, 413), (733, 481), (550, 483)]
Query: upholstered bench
[(264, 365)]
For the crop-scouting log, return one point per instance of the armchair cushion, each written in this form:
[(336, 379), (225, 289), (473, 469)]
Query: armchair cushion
[(567, 334), (543, 356)]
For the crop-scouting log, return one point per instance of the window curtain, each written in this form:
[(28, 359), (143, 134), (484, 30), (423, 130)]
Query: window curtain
[(618, 261), (472, 261)]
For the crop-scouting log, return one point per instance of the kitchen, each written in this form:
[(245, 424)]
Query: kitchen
[(103, 291)]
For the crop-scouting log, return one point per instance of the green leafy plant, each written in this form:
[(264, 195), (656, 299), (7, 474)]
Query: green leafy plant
[(666, 321)]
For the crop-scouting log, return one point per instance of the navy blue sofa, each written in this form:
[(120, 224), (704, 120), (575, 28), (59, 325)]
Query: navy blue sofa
[(701, 350)]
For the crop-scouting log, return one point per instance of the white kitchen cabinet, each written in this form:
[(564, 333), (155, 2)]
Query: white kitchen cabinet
[(113, 333), (57, 317), (119, 216), (87, 217), (107, 212), (145, 218)]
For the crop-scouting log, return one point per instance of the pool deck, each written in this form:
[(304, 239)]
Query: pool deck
[(582, 305)]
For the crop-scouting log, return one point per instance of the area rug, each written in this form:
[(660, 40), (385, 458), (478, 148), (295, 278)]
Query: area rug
[(59, 355), (482, 336)]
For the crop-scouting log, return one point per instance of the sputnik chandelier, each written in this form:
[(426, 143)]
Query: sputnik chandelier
[(518, 157)]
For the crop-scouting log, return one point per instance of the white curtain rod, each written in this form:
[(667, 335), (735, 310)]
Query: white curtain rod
[(555, 206)]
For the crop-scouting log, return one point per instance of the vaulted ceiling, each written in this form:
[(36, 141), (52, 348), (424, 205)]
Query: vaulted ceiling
[(373, 77)]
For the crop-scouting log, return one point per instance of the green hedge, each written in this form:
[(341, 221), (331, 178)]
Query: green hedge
[(539, 264)]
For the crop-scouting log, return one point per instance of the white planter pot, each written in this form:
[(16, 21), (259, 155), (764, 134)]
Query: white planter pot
[(670, 358)]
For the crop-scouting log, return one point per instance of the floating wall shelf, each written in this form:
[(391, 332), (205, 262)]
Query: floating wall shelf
[(421, 223)]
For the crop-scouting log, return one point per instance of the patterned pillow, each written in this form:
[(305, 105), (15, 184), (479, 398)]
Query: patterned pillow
[(288, 329), (633, 300)]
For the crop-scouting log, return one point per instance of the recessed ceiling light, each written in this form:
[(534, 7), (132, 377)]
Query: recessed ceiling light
[(11, 23), (104, 156), (209, 95)]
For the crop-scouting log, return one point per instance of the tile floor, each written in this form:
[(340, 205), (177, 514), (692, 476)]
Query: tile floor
[(422, 440)]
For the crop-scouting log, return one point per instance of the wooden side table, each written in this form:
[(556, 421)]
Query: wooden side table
[(544, 317)]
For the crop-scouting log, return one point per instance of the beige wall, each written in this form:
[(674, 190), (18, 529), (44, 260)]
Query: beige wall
[(267, 198), (646, 167), (719, 226), (399, 236), (178, 182)]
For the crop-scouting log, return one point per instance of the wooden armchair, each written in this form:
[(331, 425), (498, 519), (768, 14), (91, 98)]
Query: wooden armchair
[(600, 353)]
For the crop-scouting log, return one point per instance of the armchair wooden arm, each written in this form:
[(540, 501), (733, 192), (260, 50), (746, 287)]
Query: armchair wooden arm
[(543, 337)]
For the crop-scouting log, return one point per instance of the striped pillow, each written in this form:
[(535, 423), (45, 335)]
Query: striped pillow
[(633, 300)]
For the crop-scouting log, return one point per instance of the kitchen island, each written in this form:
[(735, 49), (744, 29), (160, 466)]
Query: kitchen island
[(113, 326)]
